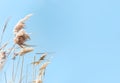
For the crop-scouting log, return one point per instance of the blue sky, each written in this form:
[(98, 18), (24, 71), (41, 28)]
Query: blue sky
[(84, 34)]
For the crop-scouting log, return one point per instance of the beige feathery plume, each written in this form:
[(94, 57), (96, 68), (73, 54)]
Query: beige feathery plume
[(23, 33), (41, 73), (2, 59), (25, 50), (19, 40), (43, 56), (43, 66), (2, 55), (26, 18), (21, 37), (37, 81), (2, 63), (36, 63), (20, 25)]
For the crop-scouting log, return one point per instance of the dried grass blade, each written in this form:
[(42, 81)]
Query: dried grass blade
[(11, 49), (4, 45), (4, 28)]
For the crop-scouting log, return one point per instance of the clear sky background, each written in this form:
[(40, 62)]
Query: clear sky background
[(84, 34)]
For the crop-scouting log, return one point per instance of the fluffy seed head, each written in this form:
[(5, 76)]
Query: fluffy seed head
[(44, 65), (2, 59), (21, 37), (25, 50), (20, 25), (2, 55), (37, 81), (43, 56)]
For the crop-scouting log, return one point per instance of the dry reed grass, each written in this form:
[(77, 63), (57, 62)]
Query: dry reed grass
[(20, 48)]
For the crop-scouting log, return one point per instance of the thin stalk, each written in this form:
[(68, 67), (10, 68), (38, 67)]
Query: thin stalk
[(5, 77), (26, 73), (17, 68), (20, 81), (33, 68), (4, 45), (35, 72), (11, 49), (4, 27), (13, 72)]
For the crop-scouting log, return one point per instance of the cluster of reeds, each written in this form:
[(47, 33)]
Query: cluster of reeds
[(17, 53)]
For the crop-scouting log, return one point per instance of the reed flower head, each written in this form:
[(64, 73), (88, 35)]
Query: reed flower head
[(20, 25), (37, 81), (25, 50), (21, 37), (43, 56), (36, 63), (2, 55), (2, 59), (2, 63), (26, 18), (44, 65)]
